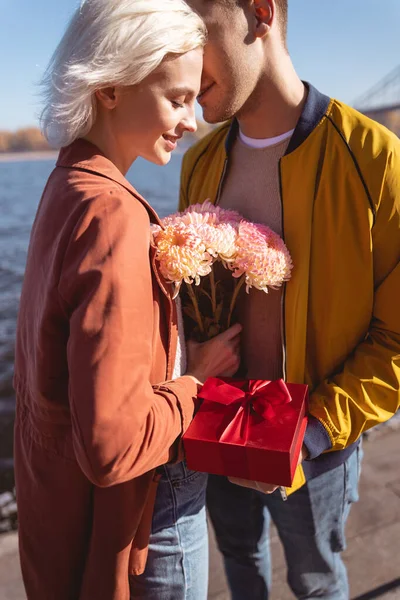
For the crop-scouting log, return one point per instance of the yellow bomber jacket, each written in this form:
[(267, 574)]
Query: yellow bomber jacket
[(340, 194)]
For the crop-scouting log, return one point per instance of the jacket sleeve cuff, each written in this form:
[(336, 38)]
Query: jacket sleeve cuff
[(184, 389), (186, 393), (316, 438)]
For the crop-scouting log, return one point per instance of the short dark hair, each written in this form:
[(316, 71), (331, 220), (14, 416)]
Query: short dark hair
[(283, 15), (282, 6)]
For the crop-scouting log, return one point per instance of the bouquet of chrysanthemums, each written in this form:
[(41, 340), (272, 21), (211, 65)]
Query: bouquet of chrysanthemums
[(190, 244)]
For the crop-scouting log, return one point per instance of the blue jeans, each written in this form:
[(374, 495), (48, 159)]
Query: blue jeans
[(177, 565), (310, 525)]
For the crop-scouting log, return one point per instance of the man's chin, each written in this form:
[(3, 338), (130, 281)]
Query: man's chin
[(218, 112), (214, 117), (210, 118)]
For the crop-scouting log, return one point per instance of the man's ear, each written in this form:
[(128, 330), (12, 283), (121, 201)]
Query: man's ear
[(264, 11), (107, 97)]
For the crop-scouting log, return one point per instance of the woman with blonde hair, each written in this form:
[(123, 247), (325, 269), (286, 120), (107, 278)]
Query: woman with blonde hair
[(102, 397)]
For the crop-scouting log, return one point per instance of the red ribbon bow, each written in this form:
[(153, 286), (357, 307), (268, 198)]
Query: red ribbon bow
[(261, 397)]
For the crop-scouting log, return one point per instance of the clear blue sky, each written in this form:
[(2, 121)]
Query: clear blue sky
[(343, 47)]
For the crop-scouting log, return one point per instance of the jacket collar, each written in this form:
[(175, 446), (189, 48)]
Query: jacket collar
[(85, 156), (315, 108)]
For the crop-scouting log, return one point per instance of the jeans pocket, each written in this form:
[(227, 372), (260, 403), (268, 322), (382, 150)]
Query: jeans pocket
[(181, 492), (192, 477), (179, 474), (352, 468)]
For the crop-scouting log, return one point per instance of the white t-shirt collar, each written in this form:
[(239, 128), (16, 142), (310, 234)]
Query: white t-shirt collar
[(264, 142)]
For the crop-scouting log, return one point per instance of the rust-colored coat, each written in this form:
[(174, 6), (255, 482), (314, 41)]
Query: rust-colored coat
[(96, 342)]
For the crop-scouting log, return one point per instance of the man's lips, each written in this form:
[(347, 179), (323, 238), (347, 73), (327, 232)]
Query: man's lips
[(204, 91)]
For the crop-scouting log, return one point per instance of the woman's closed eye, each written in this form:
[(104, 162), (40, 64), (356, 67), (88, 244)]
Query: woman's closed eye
[(181, 95), (177, 104)]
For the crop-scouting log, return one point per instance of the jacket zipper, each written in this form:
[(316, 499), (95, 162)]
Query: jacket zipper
[(218, 198), (283, 295), (282, 489)]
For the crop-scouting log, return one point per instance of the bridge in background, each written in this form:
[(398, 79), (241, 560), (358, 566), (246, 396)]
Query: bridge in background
[(382, 101)]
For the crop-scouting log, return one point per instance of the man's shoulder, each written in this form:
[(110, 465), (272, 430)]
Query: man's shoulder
[(373, 148), (357, 126)]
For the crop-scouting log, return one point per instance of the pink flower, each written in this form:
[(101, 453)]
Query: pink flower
[(182, 254), (215, 214), (216, 226), (220, 240), (261, 256), (212, 224)]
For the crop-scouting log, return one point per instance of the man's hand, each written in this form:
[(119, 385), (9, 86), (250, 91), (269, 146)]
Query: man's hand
[(266, 488), (218, 357)]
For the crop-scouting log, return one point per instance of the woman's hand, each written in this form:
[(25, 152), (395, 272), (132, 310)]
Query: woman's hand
[(216, 357)]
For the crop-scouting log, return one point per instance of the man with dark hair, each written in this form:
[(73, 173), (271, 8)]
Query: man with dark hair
[(326, 178)]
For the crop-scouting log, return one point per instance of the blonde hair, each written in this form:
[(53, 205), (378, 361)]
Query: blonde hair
[(107, 43)]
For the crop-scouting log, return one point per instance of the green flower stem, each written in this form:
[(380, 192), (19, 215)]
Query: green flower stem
[(234, 297), (196, 307)]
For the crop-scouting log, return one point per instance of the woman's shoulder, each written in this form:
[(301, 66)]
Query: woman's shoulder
[(85, 208), (87, 191), (85, 176)]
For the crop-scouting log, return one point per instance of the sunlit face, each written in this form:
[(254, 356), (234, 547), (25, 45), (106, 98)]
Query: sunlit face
[(151, 117), (232, 60)]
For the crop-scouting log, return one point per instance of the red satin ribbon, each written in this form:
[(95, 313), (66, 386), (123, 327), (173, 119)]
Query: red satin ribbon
[(260, 396)]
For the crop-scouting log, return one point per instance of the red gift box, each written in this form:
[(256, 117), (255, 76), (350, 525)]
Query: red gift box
[(252, 429)]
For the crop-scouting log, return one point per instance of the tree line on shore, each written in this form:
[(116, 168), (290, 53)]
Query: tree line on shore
[(30, 139)]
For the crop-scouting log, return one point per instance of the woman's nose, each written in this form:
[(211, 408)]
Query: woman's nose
[(189, 122)]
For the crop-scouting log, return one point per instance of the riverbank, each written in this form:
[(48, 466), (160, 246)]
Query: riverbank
[(12, 157), (23, 156)]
